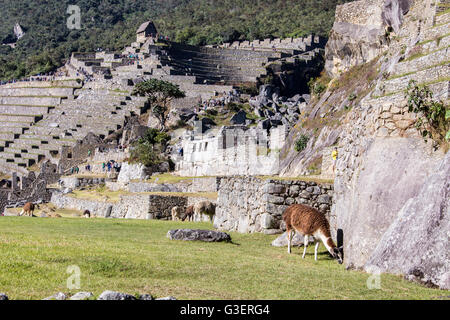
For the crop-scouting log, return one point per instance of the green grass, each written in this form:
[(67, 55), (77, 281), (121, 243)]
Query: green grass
[(170, 178), (135, 256), (101, 194)]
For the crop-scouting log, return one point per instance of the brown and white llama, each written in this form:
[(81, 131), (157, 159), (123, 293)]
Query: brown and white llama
[(205, 208), (310, 222), (189, 213), (177, 213), (28, 209)]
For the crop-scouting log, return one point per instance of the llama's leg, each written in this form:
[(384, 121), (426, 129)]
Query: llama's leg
[(305, 246), (289, 241), (315, 249), (21, 213)]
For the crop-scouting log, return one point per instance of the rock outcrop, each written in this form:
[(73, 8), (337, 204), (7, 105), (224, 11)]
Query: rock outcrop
[(390, 172), (357, 35), (417, 243), (198, 235)]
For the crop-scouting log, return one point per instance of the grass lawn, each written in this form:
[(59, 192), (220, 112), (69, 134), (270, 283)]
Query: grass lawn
[(101, 194), (135, 256)]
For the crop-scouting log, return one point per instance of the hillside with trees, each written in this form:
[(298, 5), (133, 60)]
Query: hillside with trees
[(111, 24)]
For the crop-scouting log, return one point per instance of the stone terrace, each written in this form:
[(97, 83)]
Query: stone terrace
[(22, 105), (100, 111), (40, 117)]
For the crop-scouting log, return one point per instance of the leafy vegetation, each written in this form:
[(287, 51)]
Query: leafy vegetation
[(135, 256), (111, 24), (159, 93), (148, 150), (301, 143), (433, 116)]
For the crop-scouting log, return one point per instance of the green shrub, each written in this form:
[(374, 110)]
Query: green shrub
[(301, 143), (433, 116)]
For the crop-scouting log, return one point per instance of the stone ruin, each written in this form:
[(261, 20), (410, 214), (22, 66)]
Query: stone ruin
[(38, 118), (233, 150)]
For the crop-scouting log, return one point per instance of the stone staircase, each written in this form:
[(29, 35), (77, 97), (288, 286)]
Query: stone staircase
[(23, 104), (427, 63), (100, 111)]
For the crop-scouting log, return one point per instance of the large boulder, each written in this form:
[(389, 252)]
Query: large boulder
[(198, 235), (135, 171), (391, 172), (239, 118), (297, 241), (417, 243)]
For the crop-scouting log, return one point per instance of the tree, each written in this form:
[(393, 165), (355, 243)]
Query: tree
[(159, 93), (148, 149)]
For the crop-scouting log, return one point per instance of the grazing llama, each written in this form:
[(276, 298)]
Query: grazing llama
[(205, 207), (310, 222), (177, 213), (189, 214), (28, 209), (86, 214)]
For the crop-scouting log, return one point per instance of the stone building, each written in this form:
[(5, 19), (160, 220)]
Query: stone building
[(234, 150), (147, 29)]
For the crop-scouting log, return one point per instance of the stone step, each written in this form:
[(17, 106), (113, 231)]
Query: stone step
[(442, 18), (44, 84), (15, 130), (12, 167), (30, 101), (426, 75), (24, 110), (45, 138), (436, 44), (434, 32), (422, 62), (20, 118), (21, 155), (440, 91), (40, 92), (256, 63), (215, 70), (8, 135)]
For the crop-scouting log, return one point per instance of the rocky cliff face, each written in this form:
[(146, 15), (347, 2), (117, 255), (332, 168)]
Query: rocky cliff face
[(361, 32), (417, 244), (386, 173)]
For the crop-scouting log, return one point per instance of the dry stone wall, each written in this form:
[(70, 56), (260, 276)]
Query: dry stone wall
[(249, 204)]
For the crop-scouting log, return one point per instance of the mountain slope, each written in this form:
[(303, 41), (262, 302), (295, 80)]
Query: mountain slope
[(111, 24)]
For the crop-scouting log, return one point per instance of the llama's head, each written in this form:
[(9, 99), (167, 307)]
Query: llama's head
[(337, 253)]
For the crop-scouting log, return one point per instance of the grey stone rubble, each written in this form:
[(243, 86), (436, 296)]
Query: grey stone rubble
[(82, 296), (198, 235), (113, 295), (3, 297), (169, 298), (57, 296), (146, 297)]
